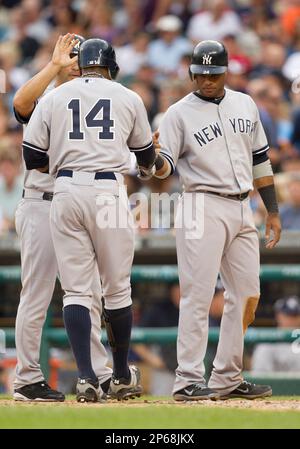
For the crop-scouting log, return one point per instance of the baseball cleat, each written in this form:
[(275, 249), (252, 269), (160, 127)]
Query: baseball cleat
[(89, 391), (195, 392), (38, 392), (247, 390), (126, 388)]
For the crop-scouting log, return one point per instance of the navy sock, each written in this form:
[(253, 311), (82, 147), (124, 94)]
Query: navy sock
[(78, 325), (120, 321)]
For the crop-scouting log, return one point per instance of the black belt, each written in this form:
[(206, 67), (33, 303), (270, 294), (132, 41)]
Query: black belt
[(98, 175), (48, 196), (238, 196)]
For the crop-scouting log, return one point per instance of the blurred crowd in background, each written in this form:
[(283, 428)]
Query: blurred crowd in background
[(153, 41)]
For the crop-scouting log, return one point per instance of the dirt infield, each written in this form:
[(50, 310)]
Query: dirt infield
[(152, 413), (272, 405)]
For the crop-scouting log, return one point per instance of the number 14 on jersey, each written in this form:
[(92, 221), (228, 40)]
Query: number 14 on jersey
[(106, 123)]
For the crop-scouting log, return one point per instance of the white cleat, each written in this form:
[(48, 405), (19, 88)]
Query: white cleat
[(89, 391), (126, 389)]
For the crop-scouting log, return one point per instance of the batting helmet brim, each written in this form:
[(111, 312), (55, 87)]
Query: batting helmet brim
[(207, 70)]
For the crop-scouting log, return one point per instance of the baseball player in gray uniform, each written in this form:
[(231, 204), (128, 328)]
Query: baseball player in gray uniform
[(84, 130), (216, 141), (39, 266)]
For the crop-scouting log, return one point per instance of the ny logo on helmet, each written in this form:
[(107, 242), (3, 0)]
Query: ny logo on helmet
[(206, 59), (77, 45), (98, 60)]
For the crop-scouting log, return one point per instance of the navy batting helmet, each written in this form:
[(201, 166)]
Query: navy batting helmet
[(208, 58), (75, 49), (98, 53)]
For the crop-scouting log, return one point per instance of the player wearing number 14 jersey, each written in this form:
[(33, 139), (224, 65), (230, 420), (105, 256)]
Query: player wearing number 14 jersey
[(84, 131), (38, 262)]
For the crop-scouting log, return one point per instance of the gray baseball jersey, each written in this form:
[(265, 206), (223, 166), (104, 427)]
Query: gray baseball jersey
[(91, 130), (89, 125), (212, 145), (34, 179), (39, 273)]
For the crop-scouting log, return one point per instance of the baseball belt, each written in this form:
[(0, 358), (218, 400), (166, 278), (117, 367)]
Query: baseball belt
[(98, 175), (238, 196), (35, 194)]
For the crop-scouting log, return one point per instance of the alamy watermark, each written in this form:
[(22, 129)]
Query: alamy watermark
[(153, 211)]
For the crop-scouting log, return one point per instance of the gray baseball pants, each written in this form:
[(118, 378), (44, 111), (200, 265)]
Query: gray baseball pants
[(224, 239), (39, 272)]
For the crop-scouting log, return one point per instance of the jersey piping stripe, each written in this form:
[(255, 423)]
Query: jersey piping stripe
[(33, 147), (259, 158), (169, 159), (27, 147), (35, 158), (261, 150), (141, 148)]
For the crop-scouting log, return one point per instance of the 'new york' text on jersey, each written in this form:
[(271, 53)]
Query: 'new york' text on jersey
[(212, 145)]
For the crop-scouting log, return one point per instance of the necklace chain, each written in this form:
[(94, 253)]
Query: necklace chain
[(95, 75)]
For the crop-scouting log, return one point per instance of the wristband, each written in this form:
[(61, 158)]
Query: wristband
[(268, 195)]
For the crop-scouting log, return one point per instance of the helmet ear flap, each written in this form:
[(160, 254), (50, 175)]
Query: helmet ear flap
[(192, 77), (114, 71)]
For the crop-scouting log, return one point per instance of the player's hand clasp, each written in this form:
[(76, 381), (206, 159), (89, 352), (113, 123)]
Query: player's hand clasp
[(144, 174)]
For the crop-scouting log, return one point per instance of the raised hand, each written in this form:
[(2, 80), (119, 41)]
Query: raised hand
[(62, 50)]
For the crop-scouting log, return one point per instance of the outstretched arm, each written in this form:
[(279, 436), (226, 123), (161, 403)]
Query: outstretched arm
[(26, 97), (162, 165)]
